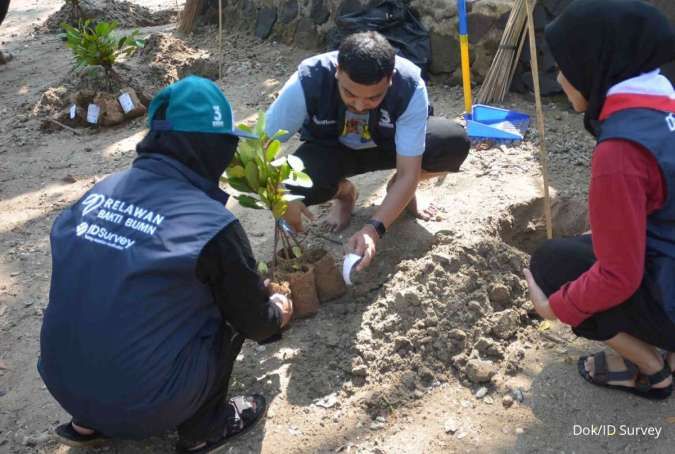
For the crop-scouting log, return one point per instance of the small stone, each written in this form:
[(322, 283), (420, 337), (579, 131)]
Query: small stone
[(507, 401), (461, 435), (360, 370), (440, 258), (450, 426), (482, 392), (518, 395), (520, 430), (489, 400), (499, 293), (377, 425), (479, 371), (506, 323), (327, 402), (402, 343), (69, 179), (260, 348), (409, 380)]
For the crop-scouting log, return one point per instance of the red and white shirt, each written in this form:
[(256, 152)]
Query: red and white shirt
[(626, 187)]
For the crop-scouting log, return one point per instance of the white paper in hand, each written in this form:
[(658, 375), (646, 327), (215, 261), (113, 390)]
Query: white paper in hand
[(126, 102), (351, 260), (93, 111)]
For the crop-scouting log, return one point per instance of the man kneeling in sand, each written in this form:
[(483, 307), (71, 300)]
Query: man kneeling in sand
[(362, 109)]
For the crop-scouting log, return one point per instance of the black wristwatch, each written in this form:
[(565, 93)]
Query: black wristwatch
[(379, 227)]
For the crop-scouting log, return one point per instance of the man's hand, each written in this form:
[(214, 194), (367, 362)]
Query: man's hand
[(296, 210), (285, 305), (538, 298), (363, 243)]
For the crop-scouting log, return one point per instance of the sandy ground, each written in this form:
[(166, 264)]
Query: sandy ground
[(491, 210)]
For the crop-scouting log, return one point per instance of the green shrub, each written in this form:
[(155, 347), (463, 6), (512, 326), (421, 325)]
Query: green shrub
[(97, 45)]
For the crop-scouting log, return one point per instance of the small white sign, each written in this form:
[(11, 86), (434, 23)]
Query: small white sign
[(93, 111), (126, 102), (351, 260), (73, 111)]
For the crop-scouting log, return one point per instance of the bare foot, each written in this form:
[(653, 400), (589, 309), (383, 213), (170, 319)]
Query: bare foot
[(343, 205), (82, 430), (616, 363), (425, 213)]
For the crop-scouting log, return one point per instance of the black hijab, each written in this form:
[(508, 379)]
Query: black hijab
[(207, 154), (599, 43)]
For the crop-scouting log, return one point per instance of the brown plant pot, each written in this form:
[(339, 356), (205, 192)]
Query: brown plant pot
[(329, 282), (303, 291)]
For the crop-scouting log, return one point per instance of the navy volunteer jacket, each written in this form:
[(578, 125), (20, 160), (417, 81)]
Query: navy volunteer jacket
[(131, 336)]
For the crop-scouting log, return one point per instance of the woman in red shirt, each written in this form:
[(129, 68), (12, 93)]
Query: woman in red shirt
[(618, 284)]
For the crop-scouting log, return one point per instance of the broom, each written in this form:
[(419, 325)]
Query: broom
[(503, 67), (188, 17)]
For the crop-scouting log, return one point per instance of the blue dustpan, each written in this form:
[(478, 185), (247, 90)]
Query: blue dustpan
[(493, 123)]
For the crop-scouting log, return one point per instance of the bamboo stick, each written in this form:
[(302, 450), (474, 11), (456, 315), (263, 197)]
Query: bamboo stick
[(220, 39), (540, 119)]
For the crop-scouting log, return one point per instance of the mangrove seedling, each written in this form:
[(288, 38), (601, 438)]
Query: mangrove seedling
[(260, 175)]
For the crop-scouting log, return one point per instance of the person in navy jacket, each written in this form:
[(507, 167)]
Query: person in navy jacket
[(154, 289), (362, 109), (617, 285)]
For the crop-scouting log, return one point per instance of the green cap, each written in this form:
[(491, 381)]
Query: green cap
[(194, 104)]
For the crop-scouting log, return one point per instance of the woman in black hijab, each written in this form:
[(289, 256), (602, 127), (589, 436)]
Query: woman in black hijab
[(618, 285)]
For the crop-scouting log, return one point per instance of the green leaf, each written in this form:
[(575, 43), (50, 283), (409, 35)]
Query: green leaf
[(246, 150), (272, 150), (244, 127), (291, 197), (285, 172), (252, 175), (279, 162), (260, 125), (297, 252), (279, 133), (296, 163), (299, 179), (279, 209), (249, 202), (262, 268), (235, 172), (240, 184)]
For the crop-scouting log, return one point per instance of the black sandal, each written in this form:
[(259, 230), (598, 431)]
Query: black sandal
[(66, 434), (643, 383), (241, 419)]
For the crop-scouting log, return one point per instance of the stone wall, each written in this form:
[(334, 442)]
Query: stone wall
[(309, 24)]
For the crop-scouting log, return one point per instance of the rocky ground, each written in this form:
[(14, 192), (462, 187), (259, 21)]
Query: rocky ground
[(434, 350)]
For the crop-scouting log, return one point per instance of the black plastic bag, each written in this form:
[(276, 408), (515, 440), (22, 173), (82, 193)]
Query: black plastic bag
[(394, 20)]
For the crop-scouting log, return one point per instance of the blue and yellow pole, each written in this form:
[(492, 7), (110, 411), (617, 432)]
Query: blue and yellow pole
[(464, 47)]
